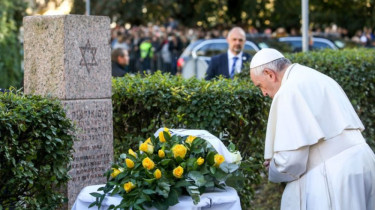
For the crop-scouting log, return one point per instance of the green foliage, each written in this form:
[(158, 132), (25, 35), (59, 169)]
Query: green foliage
[(188, 13), (324, 13), (11, 13), (35, 150), (225, 13)]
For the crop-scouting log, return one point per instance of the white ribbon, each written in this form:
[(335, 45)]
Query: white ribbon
[(203, 134)]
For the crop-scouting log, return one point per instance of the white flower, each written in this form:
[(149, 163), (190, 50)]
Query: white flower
[(236, 157)]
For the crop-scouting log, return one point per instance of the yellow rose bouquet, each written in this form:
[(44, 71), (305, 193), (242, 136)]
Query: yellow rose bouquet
[(162, 169)]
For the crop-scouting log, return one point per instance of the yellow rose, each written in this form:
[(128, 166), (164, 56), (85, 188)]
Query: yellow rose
[(145, 147), (148, 141), (128, 186), (129, 163), (167, 130), (132, 153), (115, 172), (157, 174), (218, 160), (179, 150), (190, 139), (161, 135), (200, 161), (178, 172), (161, 153), (148, 163)]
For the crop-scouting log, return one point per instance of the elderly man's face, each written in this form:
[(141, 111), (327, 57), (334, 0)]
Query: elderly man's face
[(236, 41), (268, 82)]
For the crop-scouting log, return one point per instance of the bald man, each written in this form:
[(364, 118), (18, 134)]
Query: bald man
[(230, 63)]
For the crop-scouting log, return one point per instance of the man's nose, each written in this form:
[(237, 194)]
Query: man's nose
[(264, 93)]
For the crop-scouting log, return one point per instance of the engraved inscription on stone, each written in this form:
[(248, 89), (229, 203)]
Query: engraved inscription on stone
[(91, 123), (90, 166), (94, 148), (88, 56)]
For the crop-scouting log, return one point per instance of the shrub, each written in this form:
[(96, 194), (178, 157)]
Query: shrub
[(35, 150), (11, 14)]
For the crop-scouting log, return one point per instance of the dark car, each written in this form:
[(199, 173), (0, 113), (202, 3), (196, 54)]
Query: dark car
[(196, 57), (295, 43)]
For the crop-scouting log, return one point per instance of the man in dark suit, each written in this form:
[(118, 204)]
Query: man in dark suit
[(120, 61), (231, 62)]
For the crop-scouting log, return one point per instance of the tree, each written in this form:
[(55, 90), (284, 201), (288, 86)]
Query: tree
[(287, 14), (11, 13), (349, 14), (191, 13)]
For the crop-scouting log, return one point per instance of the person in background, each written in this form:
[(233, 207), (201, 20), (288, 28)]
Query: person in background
[(175, 48), (146, 54), (120, 61), (313, 139), (231, 62)]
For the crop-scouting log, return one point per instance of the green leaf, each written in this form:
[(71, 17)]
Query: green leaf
[(228, 167), (172, 198), (213, 170), (96, 195), (148, 191), (165, 162), (210, 158), (182, 183), (197, 177), (150, 181)]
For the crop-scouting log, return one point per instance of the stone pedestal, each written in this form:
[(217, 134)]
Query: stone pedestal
[(68, 57)]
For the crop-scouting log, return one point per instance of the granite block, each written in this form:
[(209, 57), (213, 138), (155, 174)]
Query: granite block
[(67, 56), (94, 149)]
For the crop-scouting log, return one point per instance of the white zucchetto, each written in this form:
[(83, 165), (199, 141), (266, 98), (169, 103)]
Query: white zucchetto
[(264, 56)]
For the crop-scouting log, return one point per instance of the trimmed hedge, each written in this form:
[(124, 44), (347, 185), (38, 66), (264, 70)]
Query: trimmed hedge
[(35, 150)]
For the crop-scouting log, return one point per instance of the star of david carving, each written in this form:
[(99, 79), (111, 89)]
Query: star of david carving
[(88, 60)]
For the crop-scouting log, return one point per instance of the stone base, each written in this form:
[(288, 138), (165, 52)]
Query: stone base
[(94, 148)]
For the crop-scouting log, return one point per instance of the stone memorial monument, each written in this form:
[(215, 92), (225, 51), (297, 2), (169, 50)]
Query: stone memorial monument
[(68, 57)]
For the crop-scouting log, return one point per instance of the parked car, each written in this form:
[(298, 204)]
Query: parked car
[(196, 57), (295, 43)]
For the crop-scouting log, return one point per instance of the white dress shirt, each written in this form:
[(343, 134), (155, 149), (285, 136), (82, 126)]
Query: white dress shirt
[(238, 62)]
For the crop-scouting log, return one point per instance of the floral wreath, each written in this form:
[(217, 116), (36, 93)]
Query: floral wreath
[(165, 167)]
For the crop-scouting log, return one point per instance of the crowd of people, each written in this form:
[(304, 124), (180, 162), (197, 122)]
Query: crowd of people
[(157, 47)]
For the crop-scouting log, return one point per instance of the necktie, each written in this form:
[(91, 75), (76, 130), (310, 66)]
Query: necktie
[(233, 67)]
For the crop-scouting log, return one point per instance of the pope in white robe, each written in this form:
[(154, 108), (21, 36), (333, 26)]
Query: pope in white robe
[(313, 139)]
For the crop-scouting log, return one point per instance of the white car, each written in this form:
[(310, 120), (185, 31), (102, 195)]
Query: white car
[(194, 61)]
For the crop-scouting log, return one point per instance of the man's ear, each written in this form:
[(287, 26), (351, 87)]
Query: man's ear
[(269, 74)]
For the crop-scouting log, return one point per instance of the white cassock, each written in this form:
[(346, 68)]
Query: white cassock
[(315, 144)]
